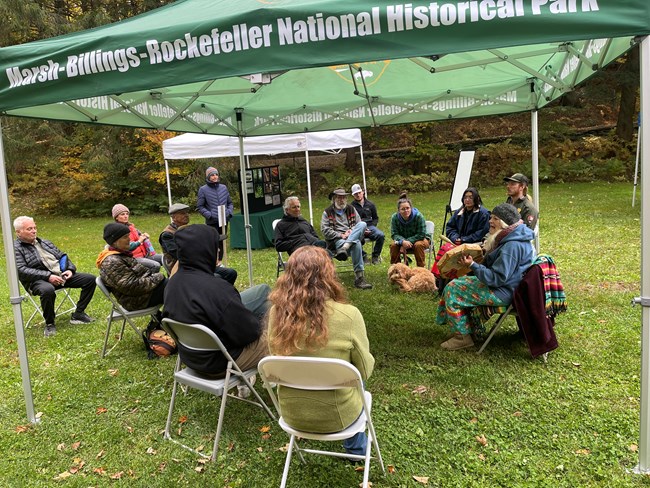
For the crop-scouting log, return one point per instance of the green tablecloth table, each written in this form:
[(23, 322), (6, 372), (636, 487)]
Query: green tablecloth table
[(261, 229)]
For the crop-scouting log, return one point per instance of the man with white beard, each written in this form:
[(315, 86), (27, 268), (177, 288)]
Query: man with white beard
[(343, 230)]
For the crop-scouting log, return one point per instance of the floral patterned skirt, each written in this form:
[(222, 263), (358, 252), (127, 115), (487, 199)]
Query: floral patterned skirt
[(460, 296)]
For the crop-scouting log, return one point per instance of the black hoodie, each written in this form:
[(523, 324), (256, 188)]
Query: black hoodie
[(195, 295)]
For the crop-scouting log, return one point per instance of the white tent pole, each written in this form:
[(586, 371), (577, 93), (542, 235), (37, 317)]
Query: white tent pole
[(311, 211), (535, 164), (169, 186), (363, 172), (244, 195), (644, 299), (14, 292), (636, 161)]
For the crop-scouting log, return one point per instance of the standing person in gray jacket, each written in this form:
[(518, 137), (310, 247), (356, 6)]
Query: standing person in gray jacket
[(209, 198), (343, 230)]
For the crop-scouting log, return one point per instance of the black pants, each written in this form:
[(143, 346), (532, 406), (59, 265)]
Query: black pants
[(222, 237), (47, 292)]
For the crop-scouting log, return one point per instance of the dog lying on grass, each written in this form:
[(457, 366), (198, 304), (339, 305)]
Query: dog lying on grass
[(419, 280)]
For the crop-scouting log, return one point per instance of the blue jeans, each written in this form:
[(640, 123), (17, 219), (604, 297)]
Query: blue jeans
[(356, 444), (378, 237), (255, 299), (355, 250)]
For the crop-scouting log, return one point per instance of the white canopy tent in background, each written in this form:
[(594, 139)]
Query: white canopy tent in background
[(197, 146)]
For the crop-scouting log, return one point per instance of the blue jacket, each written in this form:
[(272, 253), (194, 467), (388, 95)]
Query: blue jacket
[(468, 227), (503, 269), (210, 196)]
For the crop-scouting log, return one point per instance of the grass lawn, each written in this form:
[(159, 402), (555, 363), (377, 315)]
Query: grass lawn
[(454, 418)]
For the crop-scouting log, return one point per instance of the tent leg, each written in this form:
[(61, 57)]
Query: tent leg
[(244, 203), (535, 164), (14, 292), (644, 424), (311, 211)]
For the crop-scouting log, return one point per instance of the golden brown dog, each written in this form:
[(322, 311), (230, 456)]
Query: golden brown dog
[(412, 279)]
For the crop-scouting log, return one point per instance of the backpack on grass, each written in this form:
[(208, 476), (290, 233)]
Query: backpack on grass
[(158, 342)]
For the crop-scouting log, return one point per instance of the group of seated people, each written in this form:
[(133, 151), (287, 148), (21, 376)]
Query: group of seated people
[(258, 322)]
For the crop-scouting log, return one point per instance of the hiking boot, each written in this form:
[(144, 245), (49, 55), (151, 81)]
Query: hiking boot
[(362, 283), (376, 259), (80, 318), (50, 330), (366, 259), (341, 254), (458, 341)]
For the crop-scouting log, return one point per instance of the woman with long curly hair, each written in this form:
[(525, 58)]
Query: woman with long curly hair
[(310, 316)]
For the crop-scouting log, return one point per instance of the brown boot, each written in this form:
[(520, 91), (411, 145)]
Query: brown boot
[(458, 341)]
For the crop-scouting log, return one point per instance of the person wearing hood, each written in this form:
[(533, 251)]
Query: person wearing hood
[(195, 295), (343, 230), (139, 245), (209, 198), (134, 285), (492, 282), (180, 216), (471, 222), (408, 230), (293, 231)]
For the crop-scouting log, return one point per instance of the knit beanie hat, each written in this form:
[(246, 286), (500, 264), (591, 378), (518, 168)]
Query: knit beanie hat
[(118, 209), (210, 171), (114, 231), (506, 212)]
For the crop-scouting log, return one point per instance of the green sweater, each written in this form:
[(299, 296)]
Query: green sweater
[(331, 410), (414, 230)]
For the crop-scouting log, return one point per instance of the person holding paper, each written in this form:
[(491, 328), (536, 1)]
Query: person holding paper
[(209, 198)]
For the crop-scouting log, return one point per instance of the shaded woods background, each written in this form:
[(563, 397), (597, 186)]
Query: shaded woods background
[(56, 167)]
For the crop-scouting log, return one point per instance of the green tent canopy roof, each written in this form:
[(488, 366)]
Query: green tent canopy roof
[(317, 65)]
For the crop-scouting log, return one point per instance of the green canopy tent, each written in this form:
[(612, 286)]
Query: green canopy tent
[(256, 67)]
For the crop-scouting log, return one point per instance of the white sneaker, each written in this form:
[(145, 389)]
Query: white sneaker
[(244, 391)]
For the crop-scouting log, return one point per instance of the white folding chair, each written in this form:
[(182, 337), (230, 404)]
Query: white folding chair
[(431, 228), (199, 338), (309, 373), (280, 265), (65, 305), (119, 312)]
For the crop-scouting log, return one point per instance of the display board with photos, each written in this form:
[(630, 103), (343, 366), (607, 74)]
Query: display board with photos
[(263, 188)]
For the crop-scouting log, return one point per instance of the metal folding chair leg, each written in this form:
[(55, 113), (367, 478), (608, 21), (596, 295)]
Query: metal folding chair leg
[(495, 328)]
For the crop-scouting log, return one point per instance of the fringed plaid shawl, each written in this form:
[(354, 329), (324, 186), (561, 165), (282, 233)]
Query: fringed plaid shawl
[(553, 289), (554, 296)]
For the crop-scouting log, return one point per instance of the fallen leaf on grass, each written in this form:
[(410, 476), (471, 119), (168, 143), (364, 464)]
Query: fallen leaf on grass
[(129, 429), (162, 466), (583, 451), (359, 468), (99, 471), (182, 419), (481, 440), (420, 390), (200, 468), (200, 448), (259, 449), (517, 414), (101, 410), (265, 429), (22, 428), (284, 448), (152, 451), (60, 447), (473, 420), (577, 365), (117, 476), (113, 372), (266, 436), (481, 456), (422, 479), (75, 445), (62, 476), (231, 446), (633, 447), (391, 469), (369, 484), (100, 454)]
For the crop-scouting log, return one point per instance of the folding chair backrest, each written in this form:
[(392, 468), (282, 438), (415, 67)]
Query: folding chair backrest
[(431, 228), (195, 336), (308, 373), (107, 292)]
